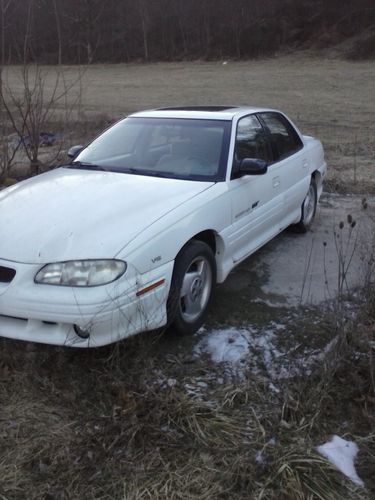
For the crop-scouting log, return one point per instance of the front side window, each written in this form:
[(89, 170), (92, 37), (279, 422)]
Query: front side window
[(250, 139), (283, 139), (189, 149)]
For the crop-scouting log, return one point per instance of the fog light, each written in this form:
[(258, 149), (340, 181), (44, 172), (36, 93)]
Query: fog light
[(84, 334)]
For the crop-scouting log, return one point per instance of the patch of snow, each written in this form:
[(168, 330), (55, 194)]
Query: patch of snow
[(202, 384), (159, 379), (259, 457), (258, 351), (341, 454), (240, 349), (231, 346), (171, 382), (196, 388), (272, 387), (228, 346)]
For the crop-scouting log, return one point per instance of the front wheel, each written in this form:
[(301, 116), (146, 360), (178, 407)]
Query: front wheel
[(308, 208), (193, 279)]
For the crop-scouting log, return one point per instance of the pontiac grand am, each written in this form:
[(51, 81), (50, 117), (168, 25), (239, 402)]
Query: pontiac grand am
[(133, 233)]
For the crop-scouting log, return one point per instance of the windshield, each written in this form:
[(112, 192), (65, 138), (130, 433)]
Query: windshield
[(165, 147)]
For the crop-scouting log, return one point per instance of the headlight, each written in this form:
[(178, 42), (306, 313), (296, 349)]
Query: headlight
[(81, 272)]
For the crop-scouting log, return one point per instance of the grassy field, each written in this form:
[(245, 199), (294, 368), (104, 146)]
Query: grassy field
[(149, 418), (331, 99)]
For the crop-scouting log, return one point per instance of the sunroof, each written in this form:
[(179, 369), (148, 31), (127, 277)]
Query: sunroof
[(198, 108)]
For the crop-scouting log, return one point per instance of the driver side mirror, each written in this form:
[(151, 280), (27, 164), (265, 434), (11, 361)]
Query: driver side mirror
[(74, 151), (252, 166)]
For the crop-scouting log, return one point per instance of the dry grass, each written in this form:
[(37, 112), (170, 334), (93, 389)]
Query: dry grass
[(329, 98), (98, 424)]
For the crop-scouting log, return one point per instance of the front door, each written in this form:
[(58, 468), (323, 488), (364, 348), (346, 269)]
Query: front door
[(257, 200)]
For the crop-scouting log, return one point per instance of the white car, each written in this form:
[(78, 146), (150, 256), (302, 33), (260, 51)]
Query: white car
[(134, 233)]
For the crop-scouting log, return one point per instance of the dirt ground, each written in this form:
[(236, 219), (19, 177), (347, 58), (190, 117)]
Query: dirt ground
[(164, 417), (331, 99)]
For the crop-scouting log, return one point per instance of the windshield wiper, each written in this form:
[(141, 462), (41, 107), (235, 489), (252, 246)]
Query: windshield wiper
[(150, 173), (166, 175), (87, 166)]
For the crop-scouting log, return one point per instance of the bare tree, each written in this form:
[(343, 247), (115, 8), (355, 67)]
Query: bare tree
[(32, 106), (8, 150)]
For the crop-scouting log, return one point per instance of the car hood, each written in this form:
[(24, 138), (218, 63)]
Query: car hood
[(71, 214)]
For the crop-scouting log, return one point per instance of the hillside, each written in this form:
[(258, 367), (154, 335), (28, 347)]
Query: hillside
[(81, 31)]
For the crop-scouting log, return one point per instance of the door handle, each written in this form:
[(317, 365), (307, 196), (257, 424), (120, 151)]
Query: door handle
[(305, 164), (276, 182)]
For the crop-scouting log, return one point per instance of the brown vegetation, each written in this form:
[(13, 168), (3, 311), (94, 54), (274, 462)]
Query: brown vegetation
[(123, 422), (327, 98)]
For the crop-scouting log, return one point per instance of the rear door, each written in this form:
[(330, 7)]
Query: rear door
[(289, 168)]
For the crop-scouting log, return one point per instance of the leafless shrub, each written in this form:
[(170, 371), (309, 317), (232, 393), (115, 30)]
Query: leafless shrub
[(39, 93), (36, 105), (353, 321), (8, 152)]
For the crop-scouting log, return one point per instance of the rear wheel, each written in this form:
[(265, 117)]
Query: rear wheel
[(308, 208), (191, 289)]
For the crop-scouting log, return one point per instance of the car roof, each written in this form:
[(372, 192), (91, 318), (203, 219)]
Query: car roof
[(200, 112)]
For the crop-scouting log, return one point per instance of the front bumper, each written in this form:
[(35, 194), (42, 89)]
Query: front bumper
[(47, 313)]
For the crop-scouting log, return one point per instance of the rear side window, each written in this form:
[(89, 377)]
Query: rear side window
[(283, 138)]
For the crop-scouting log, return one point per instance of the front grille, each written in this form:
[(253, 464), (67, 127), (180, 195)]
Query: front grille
[(52, 323), (6, 274)]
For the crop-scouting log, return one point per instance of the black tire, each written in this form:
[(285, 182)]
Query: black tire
[(193, 279), (308, 208)]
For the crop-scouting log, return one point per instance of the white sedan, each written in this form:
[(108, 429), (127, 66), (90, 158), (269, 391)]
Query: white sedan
[(135, 231)]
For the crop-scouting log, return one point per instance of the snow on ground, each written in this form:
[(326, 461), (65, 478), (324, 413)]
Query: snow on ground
[(271, 351), (231, 345), (258, 351), (259, 456), (341, 454)]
